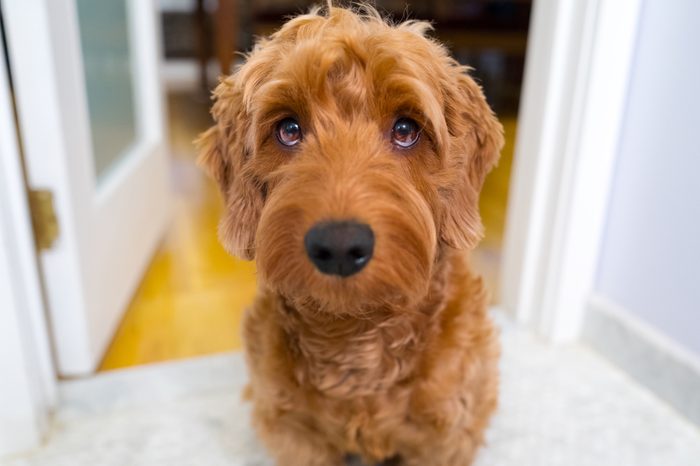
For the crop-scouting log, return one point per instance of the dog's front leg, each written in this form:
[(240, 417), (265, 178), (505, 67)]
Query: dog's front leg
[(292, 443)]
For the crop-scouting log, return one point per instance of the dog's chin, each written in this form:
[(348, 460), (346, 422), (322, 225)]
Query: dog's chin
[(340, 298), (381, 285)]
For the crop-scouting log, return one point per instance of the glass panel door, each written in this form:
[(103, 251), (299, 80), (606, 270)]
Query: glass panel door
[(107, 59)]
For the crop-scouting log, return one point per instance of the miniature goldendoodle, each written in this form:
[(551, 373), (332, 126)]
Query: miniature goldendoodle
[(350, 153)]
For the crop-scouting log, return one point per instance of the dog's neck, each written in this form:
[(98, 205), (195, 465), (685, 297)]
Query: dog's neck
[(367, 353)]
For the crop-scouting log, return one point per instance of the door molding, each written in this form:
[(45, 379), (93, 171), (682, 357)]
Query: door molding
[(574, 96), (28, 390)]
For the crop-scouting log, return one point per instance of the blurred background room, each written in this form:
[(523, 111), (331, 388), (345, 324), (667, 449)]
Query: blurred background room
[(120, 312)]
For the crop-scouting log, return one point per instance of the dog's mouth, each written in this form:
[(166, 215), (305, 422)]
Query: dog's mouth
[(340, 248)]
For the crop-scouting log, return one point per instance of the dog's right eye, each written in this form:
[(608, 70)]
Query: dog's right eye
[(288, 132), (405, 133)]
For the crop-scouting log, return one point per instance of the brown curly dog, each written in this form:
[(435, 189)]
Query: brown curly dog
[(350, 153)]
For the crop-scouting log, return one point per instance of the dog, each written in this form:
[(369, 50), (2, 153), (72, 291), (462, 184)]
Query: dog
[(350, 152)]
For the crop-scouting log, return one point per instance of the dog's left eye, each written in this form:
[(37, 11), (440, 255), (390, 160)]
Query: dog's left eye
[(405, 133), (288, 132)]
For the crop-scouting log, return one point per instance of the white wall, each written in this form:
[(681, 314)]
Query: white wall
[(650, 262)]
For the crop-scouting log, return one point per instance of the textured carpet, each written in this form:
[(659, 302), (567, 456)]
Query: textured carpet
[(560, 406)]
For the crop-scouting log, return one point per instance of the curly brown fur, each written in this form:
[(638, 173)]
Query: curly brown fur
[(399, 360)]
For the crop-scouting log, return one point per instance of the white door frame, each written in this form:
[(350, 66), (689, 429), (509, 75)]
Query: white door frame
[(574, 96), (28, 387)]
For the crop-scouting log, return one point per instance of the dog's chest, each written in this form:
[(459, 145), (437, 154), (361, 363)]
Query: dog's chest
[(367, 425), (350, 363), (358, 392)]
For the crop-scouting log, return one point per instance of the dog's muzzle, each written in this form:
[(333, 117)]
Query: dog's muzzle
[(339, 248)]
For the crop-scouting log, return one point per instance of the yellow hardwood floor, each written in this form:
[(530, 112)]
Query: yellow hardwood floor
[(192, 296), (493, 205)]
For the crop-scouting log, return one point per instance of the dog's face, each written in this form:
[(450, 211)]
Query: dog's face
[(349, 152)]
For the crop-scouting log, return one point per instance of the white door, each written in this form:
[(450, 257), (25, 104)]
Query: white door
[(90, 108)]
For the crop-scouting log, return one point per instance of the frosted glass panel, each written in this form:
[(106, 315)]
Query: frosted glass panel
[(104, 36)]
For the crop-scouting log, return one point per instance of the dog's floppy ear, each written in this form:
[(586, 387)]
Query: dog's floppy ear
[(224, 156), (476, 139)]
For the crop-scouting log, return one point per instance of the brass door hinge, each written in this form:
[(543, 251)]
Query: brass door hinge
[(43, 218)]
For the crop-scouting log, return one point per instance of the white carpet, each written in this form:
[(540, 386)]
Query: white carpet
[(560, 406)]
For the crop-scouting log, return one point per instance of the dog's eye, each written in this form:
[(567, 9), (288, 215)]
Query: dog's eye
[(405, 133), (288, 132)]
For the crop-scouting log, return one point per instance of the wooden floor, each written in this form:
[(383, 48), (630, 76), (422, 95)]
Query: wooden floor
[(493, 205), (193, 294)]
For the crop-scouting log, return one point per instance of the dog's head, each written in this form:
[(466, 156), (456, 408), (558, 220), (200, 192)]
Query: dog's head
[(349, 151)]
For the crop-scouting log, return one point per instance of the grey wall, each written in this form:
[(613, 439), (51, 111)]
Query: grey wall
[(650, 263)]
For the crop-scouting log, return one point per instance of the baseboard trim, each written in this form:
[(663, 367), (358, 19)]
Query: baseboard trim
[(649, 357)]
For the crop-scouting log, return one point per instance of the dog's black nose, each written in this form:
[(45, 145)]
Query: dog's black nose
[(339, 248)]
